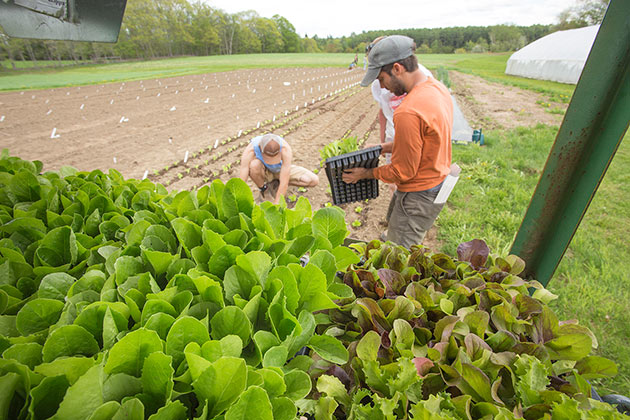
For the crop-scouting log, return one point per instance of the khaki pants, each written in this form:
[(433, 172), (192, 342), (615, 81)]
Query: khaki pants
[(411, 215), (297, 172)]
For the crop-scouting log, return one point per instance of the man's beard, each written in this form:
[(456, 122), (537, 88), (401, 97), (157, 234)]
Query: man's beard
[(397, 86)]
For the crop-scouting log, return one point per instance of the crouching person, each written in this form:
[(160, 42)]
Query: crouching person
[(267, 160)]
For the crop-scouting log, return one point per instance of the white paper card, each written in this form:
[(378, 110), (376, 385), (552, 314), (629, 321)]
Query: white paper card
[(448, 185)]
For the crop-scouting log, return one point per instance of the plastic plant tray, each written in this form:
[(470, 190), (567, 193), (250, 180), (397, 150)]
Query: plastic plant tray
[(348, 193)]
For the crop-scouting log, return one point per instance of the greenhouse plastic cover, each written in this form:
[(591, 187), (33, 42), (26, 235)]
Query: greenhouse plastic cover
[(461, 129), (559, 56)]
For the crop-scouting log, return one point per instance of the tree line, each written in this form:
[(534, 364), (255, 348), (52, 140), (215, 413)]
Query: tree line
[(167, 28)]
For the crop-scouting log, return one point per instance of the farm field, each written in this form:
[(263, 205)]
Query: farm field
[(186, 131), (132, 121)]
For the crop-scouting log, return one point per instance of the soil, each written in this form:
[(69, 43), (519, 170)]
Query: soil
[(186, 131), (490, 105)]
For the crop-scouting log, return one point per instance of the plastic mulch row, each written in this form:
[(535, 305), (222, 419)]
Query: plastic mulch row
[(347, 193)]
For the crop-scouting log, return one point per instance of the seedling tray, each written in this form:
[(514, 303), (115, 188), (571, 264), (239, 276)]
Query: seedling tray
[(348, 193)]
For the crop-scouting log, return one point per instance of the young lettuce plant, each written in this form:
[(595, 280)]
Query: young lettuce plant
[(339, 147)]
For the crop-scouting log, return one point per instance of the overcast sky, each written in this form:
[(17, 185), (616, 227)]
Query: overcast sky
[(342, 17)]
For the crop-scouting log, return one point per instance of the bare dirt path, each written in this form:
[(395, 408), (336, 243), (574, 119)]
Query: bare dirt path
[(185, 131), (490, 105)]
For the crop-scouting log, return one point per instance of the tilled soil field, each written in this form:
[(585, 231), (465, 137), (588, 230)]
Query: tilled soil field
[(186, 131)]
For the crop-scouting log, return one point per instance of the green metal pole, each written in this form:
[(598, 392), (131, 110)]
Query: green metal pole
[(593, 126)]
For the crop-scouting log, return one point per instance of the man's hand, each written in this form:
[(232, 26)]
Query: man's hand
[(386, 147), (367, 146), (354, 175)]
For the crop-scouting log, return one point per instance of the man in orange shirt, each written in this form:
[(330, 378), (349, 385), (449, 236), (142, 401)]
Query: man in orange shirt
[(421, 151)]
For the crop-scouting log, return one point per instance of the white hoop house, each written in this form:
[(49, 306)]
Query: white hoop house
[(559, 56)]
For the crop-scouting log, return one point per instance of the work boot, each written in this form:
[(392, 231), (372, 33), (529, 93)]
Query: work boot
[(263, 193)]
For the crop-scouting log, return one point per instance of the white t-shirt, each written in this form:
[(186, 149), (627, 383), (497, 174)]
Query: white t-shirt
[(388, 103)]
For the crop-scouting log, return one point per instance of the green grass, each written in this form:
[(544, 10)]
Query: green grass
[(492, 67), (592, 281), (494, 178), (433, 61)]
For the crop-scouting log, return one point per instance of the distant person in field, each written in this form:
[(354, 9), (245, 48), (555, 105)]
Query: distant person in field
[(267, 160), (421, 150), (354, 62)]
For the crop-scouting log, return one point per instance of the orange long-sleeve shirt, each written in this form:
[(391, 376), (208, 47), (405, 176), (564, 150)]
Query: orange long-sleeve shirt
[(423, 123)]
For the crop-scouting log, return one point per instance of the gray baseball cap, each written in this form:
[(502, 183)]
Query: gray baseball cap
[(387, 51)]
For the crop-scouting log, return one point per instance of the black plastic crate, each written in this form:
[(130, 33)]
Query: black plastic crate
[(347, 193)]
